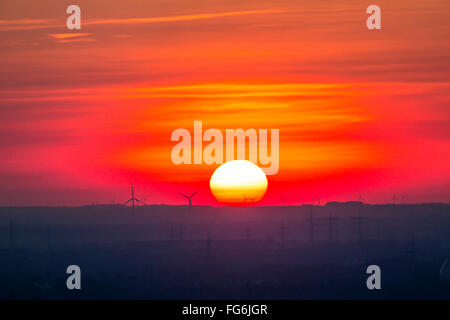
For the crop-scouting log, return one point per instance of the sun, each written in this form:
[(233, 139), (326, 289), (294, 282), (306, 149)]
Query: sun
[(238, 182)]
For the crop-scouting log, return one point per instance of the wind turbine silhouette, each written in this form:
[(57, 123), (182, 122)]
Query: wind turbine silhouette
[(394, 198), (133, 199), (251, 199), (189, 197)]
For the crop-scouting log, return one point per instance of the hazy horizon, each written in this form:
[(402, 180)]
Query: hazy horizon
[(86, 113)]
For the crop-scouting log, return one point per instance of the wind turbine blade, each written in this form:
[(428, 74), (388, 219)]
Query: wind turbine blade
[(194, 194), (126, 202), (183, 195), (139, 201)]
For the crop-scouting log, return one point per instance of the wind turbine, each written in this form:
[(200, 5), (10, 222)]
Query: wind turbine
[(189, 197), (133, 199), (394, 198), (251, 199)]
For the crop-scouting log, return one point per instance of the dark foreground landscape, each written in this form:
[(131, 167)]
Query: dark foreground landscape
[(177, 252)]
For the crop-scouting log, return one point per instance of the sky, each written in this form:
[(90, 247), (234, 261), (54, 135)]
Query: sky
[(86, 113)]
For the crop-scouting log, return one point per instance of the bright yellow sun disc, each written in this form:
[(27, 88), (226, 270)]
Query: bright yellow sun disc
[(238, 182)]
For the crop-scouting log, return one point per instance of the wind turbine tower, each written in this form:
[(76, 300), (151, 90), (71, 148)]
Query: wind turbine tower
[(394, 198)]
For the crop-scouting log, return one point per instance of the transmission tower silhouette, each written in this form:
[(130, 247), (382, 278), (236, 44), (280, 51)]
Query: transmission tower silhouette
[(311, 225), (331, 226), (12, 239)]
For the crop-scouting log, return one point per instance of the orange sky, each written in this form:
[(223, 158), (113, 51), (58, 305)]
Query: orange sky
[(85, 113)]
